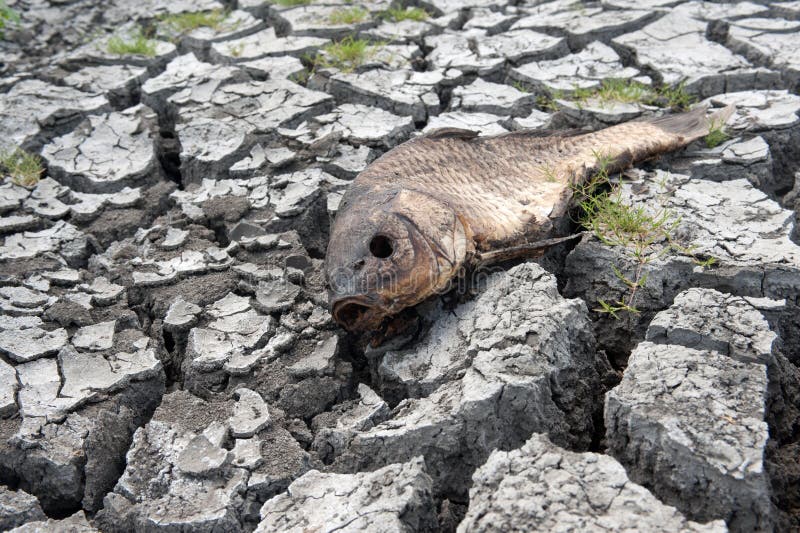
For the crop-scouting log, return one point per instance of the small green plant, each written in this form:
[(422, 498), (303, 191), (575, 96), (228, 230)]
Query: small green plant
[(548, 172), (548, 102), (613, 90), (636, 230), (399, 14), (23, 168), (676, 97), (617, 223), (236, 50), (626, 91), (187, 22), (290, 3), (352, 15), (8, 17), (518, 85), (716, 135), (347, 54), (134, 44)]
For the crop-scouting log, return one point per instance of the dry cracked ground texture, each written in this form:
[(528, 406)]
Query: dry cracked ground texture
[(167, 360)]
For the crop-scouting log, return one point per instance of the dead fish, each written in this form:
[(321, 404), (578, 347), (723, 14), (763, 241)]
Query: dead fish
[(446, 201)]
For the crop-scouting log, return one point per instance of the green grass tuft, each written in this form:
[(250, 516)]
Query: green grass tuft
[(616, 222), (548, 172), (347, 54), (548, 102), (626, 91), (134, 44), (518, 85), (399, 14), (676, 97), (716, 135), (8, 17), (353, 15), (615, 90), (237, 50), (623, 91), (187, 22), (23, 168)]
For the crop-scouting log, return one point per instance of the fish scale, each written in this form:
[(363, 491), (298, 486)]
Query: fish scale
[(428, 209), (487, 181)]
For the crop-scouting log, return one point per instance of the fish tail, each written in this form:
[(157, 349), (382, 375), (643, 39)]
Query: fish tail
[(694, 124)]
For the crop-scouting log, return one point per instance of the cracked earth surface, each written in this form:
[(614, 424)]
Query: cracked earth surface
[(167, 358)]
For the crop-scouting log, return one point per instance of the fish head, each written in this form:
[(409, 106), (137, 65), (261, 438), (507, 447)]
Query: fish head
[(390, 250)]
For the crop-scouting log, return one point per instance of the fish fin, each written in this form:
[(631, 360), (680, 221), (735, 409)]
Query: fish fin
[(530, 250), (693, 124), (451, 133)]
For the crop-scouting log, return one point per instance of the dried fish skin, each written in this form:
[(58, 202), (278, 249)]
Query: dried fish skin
[(432, 206)]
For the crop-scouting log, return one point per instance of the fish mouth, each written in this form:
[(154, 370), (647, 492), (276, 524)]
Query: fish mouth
[(355, 314)]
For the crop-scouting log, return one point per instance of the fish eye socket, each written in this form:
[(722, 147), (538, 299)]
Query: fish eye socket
[(381, 246)]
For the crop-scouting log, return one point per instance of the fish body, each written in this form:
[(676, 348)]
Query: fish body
[(425, 210)]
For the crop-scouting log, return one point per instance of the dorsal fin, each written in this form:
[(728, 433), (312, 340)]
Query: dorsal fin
[(451, 133)]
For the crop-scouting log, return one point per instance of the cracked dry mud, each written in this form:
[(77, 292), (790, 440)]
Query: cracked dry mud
[(167, 358)]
